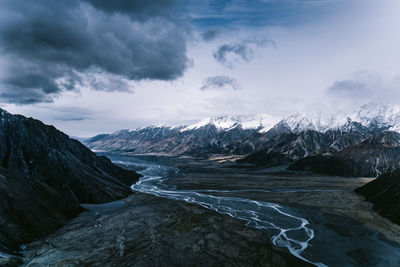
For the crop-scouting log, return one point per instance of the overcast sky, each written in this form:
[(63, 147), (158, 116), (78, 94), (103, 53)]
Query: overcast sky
[(96, 66)]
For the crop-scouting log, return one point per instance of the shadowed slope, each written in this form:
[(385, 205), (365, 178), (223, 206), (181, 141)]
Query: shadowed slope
[(45, 175)]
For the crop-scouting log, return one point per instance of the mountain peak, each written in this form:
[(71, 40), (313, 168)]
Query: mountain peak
[(379, 114), (3, 112)]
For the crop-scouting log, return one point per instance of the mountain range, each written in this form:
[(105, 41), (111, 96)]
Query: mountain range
[(265, 141)]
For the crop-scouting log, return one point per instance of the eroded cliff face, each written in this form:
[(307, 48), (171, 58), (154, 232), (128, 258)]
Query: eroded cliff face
[(45, 175)]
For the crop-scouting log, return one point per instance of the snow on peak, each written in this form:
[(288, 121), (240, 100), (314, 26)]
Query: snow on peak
[(224, 123), (373, 114), (300, 122), (262, 121), (378, 113), (221, 123), (161, 125)]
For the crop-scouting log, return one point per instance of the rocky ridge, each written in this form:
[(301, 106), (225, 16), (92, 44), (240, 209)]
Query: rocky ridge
[(45, 176)]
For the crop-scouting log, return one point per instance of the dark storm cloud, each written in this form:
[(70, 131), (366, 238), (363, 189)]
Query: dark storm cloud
[(211, 34), (256, 13), (71, 117), (134, 7), (229, 54), (222, 82), (47, 46)]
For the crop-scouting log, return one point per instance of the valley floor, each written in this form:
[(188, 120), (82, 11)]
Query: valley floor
[(144, 230)]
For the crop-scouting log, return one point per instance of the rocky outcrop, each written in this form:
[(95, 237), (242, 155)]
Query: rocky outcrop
[(384, 193), (45, 175)]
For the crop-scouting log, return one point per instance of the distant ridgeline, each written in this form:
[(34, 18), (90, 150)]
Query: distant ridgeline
[(45, 176), (365, 143)]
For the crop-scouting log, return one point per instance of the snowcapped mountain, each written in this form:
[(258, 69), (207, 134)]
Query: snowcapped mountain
[(292, 138), (377, 114), (261, 122)]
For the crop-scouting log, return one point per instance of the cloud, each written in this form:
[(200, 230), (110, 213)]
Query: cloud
[(71, 117), (53, 46), (222, 82), (103, 81), (67, 113), (360, 88), (230, 54), (361, 84), (211, 34)]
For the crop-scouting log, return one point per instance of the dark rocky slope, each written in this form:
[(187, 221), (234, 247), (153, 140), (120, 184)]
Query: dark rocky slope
[(45, 175), (378, 154), (281, 145), (384, 193), (286, 147)]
